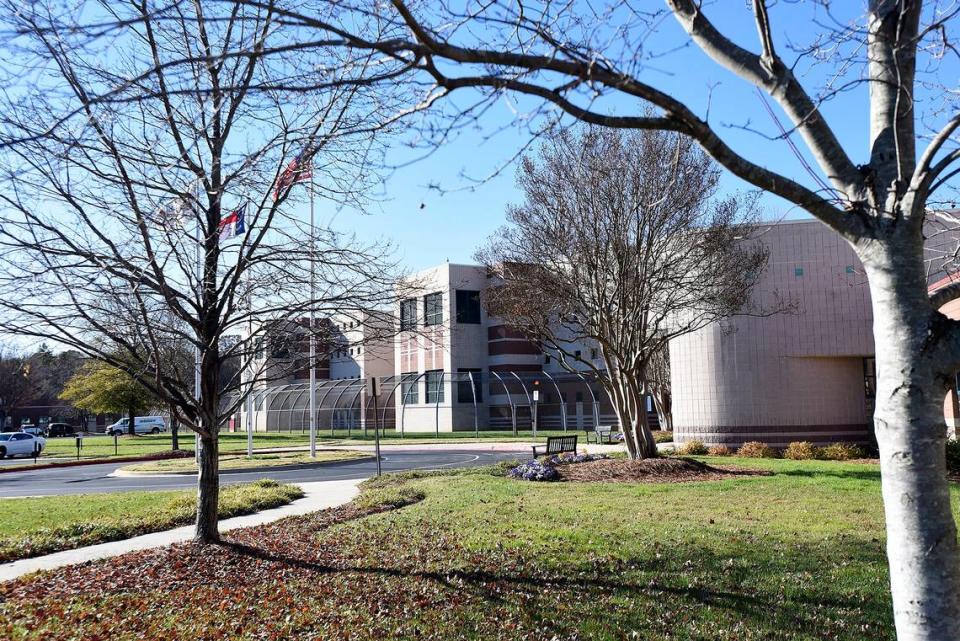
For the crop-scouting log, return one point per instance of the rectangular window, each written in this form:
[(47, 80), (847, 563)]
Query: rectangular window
[(468, 306), (546, 359), (434, 382), (593, 353), (464, 394), (576, 354), (408, 314), (408, 389), (433, 309)]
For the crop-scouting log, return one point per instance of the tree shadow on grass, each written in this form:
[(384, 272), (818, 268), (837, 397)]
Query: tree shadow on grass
[(592, 591)]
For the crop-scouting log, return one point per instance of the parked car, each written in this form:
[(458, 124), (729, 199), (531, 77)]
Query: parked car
[(141, 425), (20, 444), (36, 430), (60, 429)]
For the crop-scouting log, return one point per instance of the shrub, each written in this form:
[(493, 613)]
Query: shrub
[(661, 436), (563, 459), (720, 450), (756, 449), (534, 471), (802, 451), (843, 452), (692, 448), (953, 455)]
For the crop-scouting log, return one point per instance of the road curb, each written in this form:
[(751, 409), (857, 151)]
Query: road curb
[(27, 467)]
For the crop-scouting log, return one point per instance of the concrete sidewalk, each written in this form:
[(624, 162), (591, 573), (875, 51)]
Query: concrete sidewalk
[(318, 496)]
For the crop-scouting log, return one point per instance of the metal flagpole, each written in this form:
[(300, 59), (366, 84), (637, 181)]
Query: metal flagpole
[(250, 376), (196, 348), (313, 339)]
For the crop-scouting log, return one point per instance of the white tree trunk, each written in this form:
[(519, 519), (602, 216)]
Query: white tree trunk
[(911, 432)]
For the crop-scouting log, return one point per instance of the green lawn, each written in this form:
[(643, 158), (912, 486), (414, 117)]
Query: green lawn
[(243, 462), (797, 555), (41, 525), (103, 446)]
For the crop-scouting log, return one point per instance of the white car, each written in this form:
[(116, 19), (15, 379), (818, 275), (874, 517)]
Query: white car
[(141, 425), (20, 444)]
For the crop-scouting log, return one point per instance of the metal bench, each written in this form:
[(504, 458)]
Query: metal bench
[(557, 445), (600, 434)]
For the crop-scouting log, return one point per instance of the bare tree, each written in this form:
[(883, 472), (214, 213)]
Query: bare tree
[(601, 63), (620, 243), (660, 390), (17, 387), (150, 175)]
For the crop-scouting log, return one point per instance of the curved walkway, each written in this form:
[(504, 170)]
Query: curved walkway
[(318, 496)]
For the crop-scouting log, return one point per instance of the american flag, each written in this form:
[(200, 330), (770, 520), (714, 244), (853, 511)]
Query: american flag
[(300, 169)]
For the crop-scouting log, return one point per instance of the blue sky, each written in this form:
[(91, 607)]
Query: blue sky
[(451, 225)]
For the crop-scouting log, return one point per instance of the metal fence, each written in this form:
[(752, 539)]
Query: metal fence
[(437, 401)]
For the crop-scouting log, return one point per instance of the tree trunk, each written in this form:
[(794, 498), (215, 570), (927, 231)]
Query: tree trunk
[(174, 433), (132, 422), (208, 490), (911, 432), (627, 398)]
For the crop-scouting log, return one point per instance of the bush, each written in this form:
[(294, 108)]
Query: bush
[(843, 452), (692, 448), (563, 459), (534, 471), (802, 451), (720, 450), (953, 455), (661, 436), (756, 449)]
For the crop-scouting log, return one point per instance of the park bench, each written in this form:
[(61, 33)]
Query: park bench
[(600, 434), (557, 445)]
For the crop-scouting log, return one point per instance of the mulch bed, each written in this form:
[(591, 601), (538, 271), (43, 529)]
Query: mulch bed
[(654, 470)]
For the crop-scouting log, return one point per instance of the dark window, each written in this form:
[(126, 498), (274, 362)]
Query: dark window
[(546, 359), (408, 389), (433, 309), (408, 314), (593, 353), (468, 306), (434, 381), (464, 394), (576, 354), (579, 397), (798, 271)]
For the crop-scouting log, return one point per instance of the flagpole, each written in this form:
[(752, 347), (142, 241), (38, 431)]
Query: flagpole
[(196, 347), (250, 377), (313, 339)]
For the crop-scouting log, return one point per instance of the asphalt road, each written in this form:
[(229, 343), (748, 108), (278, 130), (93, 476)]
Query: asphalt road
[(87, 479)]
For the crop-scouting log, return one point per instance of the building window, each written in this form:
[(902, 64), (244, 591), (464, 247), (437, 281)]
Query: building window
[(408, 389), (434, 381), (433, 309), (579, 397), (798, 271), (546, 359), (468, 306), (576, 354), (593, 353), (408, 314), (850, 269), (464, 393)]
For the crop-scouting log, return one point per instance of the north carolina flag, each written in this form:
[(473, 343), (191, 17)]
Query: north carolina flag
[(300, 169), (232, 225)]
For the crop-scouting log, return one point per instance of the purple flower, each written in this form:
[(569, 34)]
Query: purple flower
[(534, 471)]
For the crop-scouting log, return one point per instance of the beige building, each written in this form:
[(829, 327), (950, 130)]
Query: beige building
[(807, 375)]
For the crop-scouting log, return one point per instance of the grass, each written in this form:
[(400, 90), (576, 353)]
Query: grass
[(40, 525), (232, 442), (242, 461), (794, 556)]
